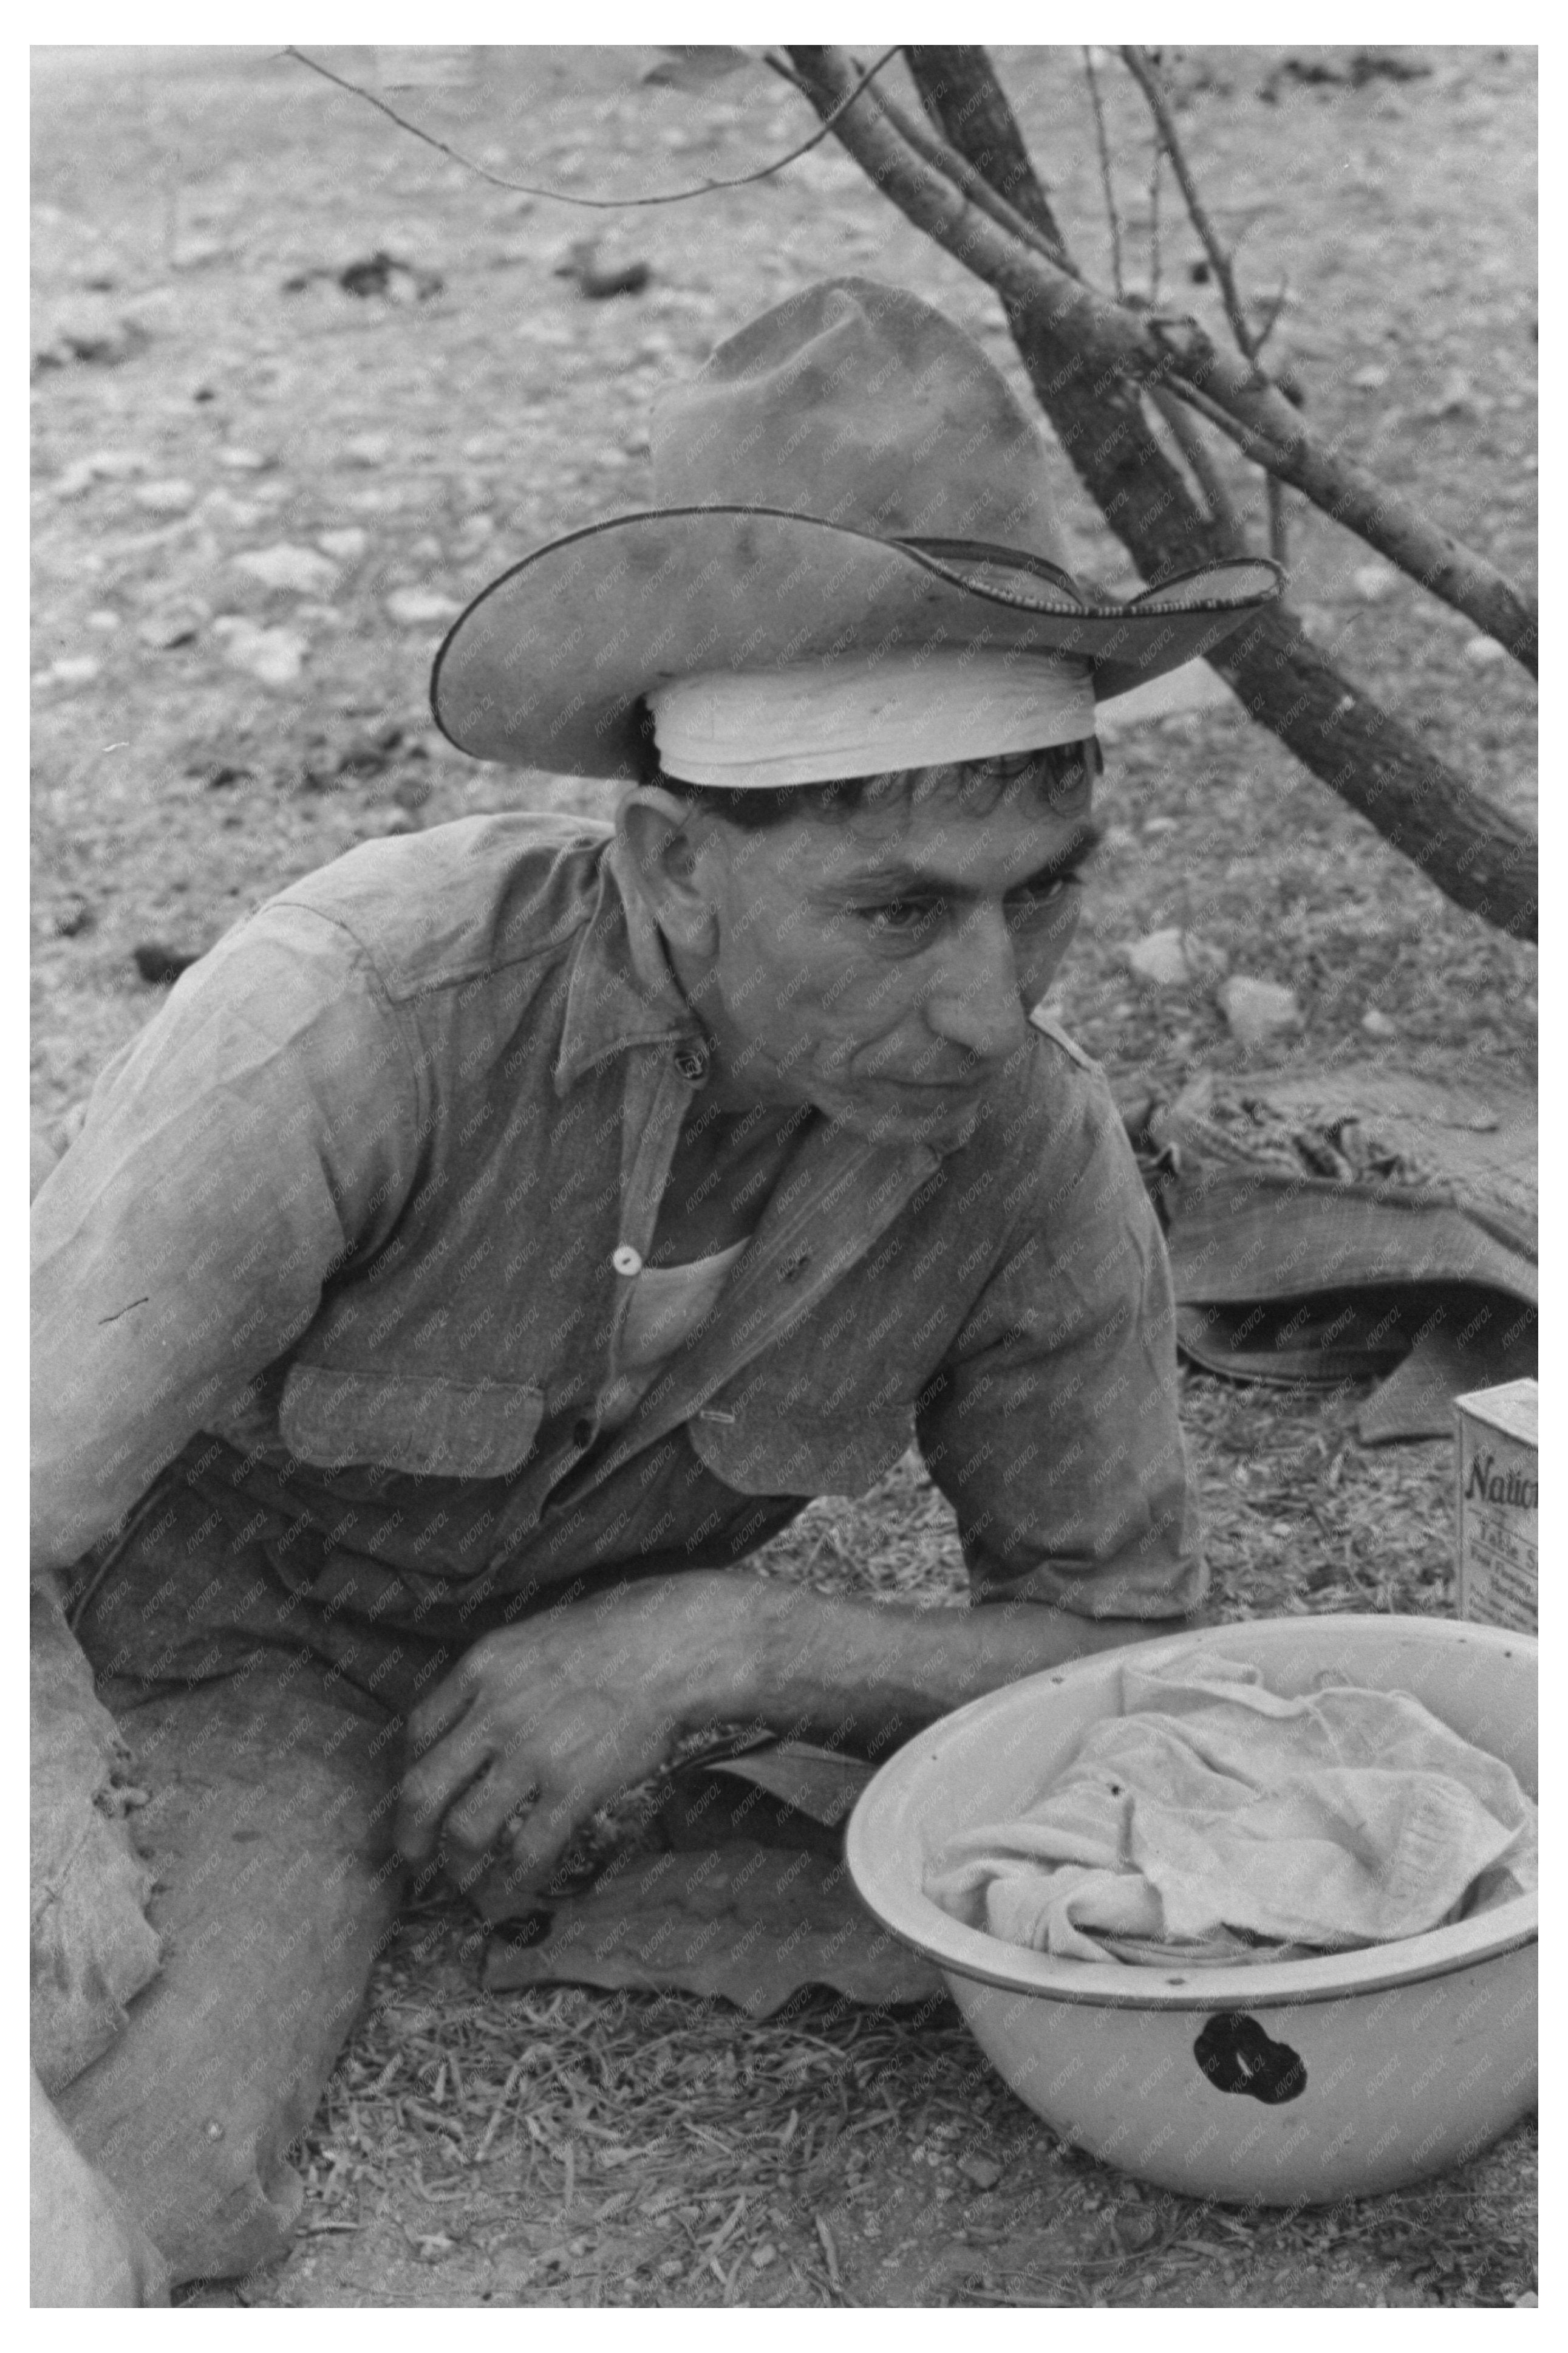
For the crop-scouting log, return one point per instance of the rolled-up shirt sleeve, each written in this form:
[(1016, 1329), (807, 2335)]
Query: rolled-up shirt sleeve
[(261, 1130), (1053, 1428)]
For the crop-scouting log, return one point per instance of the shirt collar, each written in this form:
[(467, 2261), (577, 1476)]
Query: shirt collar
[(621, 991)]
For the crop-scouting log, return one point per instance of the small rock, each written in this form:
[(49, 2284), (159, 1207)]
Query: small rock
[(1483, 653), (345, 546), (243, 461), (1374, 582), (72, 917), (76, 481), (158, 965), (95, 341), (234, 514), (416, 604), (200, 252), (117, 465), (625, 278), (984, 2171), (598, 277), (273, 655), (300, 569), (1117, 837), (100, 618), (101, 466), (763, 2256), (368, 448), (74, 669), (1528, 2300), (1377, 1025), (1158, 957), (1160, 825), (177, 624), (1369, 379), (1453, 394), (173, 497), (1258, 1011)]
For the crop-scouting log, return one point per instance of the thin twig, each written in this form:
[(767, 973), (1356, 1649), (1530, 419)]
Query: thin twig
[(964, 175), (1201, 459), (1263, 453), (1102, 143), (1276, 306), (1141, 68), (593, 204), (1159, 157), (1145, 73)]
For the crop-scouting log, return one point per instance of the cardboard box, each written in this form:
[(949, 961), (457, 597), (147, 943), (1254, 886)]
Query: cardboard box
[(1499, 1491)]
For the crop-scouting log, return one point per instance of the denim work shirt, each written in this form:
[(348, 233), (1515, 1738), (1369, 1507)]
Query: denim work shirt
[(351, 1206)]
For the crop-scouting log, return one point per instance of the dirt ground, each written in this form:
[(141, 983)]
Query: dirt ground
[(566, 2146)]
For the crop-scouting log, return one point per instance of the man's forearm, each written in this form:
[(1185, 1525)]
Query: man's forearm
[(871, 1673)]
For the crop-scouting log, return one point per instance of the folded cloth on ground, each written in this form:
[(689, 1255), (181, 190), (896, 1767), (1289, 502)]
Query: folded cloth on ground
[(1215, 1821)]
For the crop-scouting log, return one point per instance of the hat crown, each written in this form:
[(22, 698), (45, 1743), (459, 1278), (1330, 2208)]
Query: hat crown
[(859, 405)]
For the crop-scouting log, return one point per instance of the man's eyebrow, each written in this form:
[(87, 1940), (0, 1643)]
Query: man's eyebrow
[(898, 881)]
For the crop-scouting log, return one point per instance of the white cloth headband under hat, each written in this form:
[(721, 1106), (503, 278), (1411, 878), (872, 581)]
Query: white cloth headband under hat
[(867, 716)]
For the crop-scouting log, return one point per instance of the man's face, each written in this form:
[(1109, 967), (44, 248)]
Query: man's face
[(880, 967)]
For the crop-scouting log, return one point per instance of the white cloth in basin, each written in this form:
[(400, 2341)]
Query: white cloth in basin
[(1215, 1820)]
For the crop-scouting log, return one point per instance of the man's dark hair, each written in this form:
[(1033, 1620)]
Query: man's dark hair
[(755, 808)]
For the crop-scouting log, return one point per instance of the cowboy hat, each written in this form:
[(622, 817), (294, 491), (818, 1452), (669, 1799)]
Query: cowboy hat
[(847, 475)]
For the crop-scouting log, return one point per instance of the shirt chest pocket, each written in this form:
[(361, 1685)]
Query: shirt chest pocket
[(406, 1421), (760, 1453)]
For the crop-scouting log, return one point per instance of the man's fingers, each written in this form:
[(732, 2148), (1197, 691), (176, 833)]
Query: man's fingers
[(477, 1819), (536, 1843), (447, 1705), (430, 1786)]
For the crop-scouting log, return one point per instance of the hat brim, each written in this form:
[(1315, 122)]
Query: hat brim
[(544, 668)]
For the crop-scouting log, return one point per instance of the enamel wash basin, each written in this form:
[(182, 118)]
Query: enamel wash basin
[(1278, 2084)]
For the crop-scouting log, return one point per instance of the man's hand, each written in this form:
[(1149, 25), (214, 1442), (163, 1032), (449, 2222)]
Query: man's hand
[(544, 1721)]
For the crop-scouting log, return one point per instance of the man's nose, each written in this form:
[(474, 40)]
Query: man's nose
[(973, 1000)]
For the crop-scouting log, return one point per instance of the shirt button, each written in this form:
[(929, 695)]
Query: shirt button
[(691, 1061), (624, 1259)]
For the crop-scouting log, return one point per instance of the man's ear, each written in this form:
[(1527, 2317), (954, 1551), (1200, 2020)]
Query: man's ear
[(656, 826)]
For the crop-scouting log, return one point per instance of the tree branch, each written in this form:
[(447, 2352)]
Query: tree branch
[(1102, 146), (1141, 66), (978, 190), (592, 204), (1477, 854), (1210, 481), (1156, 349)]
